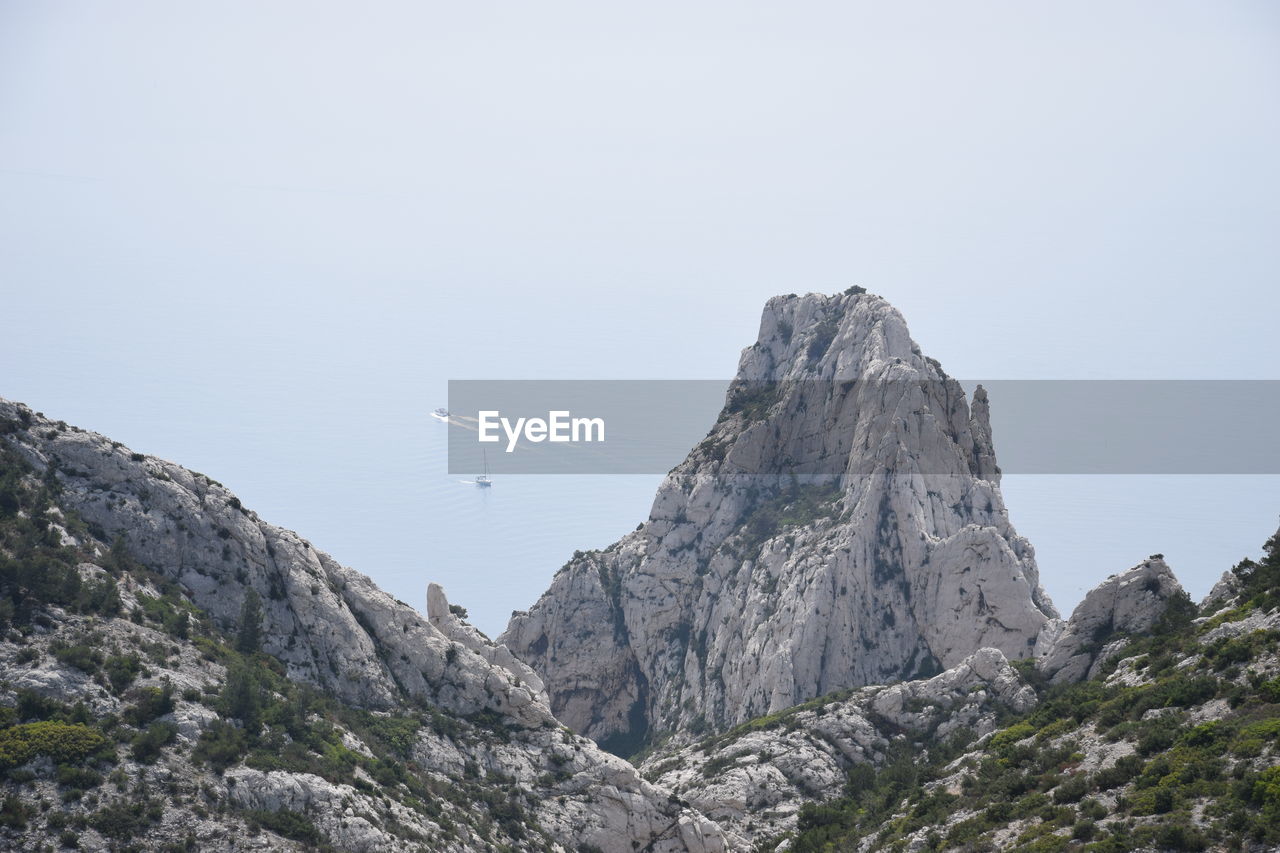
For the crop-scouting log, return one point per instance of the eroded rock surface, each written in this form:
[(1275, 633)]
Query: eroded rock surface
[(754, 780), (1127, 603), (840, 525)]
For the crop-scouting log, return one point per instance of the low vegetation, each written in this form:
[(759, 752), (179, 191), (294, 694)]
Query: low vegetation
[(1178, 785), (752, 400), (792, 504)]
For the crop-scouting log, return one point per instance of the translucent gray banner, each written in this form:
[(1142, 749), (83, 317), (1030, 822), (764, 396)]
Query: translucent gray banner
[(1038, 426)]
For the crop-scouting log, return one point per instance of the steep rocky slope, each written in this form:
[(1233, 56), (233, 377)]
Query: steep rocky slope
[(840, 525), (177, 674), (1171, 743), (754, 778)]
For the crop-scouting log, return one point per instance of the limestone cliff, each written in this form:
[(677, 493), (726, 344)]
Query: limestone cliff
[(840, 525), (183, 675)]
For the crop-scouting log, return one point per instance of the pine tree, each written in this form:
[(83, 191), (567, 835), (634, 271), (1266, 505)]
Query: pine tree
[(249, 638), (241, 698)]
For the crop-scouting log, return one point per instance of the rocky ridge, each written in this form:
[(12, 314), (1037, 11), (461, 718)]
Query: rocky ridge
[(1163, 736), (840, 525), (1128, 603), (134, 693), (754, 779)]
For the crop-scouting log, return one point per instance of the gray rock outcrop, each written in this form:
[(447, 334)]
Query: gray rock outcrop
[(840, 525), (1224, 591), (328, 624), (1127, 603), (753, 782), (442, 618), (1228, 587)]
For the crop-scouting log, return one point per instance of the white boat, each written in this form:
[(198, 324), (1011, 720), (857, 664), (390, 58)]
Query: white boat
[(482, 480), (441, 415)]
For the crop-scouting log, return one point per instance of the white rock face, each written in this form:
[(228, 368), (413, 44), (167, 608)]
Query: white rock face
[(754, 783), (888, 555), (1126, 603), (442, 618), (332, 627)]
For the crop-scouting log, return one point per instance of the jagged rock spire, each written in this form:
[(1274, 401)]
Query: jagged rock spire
[(841, 524)]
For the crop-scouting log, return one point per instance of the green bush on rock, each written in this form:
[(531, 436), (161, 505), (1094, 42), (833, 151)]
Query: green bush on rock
[(62, 742)]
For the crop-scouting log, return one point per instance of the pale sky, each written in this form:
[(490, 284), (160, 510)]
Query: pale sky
[(257, 238)]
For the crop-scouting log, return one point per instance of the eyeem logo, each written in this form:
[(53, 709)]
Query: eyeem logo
[(559, 426)]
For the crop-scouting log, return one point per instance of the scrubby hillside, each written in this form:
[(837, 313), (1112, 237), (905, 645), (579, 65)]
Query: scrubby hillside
[(176, 674), (1173, 744), (755, 778)]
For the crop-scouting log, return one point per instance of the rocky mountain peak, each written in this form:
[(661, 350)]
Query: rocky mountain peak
[(840, 337), (841, 524)]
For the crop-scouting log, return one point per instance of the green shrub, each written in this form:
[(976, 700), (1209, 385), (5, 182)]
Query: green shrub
[(249, 636), (82, 778), (151, 702), (81, 657), (148, 744), (1164, 800), (1092, 809), (178, 624), (752, 399), (399, 734), (241, 697), (1181, 836), (1125, 769), (1052, 730), (101, 597), (14, 813), (220, 746), (122, 670), (289, 824), (1010, 736), (32, 706), (1072, 789), (1205, 733), (1156, 738), (795, 504), (1266, 793), (62, 742), (123, 820)]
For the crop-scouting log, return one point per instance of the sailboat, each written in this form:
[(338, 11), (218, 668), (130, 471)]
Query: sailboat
[(482, 480)]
